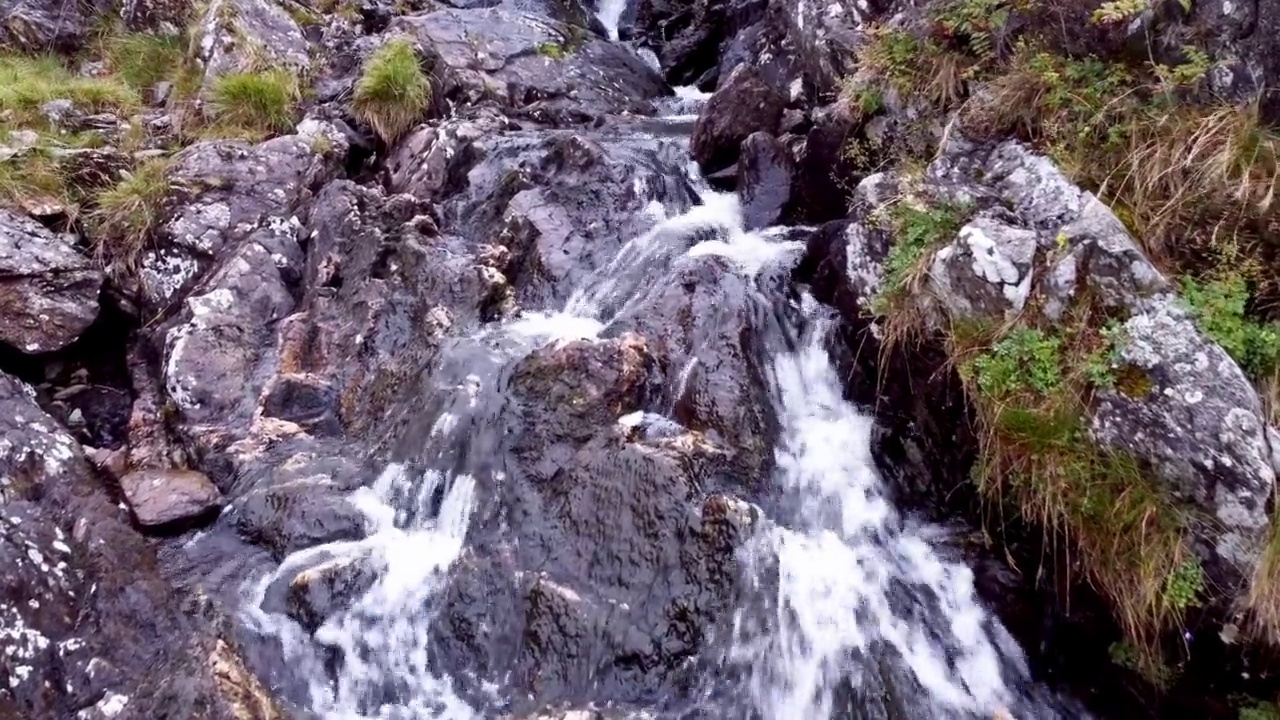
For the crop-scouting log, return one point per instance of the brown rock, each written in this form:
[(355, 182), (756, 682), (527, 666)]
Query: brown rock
[(743, 104), (161, 497)]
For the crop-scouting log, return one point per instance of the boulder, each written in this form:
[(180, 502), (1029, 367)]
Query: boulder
[(328, 588), (48, 289), (162, 498), (248, 35), (37, 26), (743, 104), (296, 515), (224, 192), (536, 67), (764, 180)]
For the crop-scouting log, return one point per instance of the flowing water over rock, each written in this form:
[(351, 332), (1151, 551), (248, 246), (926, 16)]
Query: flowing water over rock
[(843, 609)]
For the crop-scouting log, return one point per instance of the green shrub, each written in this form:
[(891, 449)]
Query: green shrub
[(1219, 310), (127, 213), (917, 230), (255, 103), (393, 91), (1026, 360)]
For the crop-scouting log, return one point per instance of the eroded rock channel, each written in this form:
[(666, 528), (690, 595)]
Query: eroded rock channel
[(601, 385)]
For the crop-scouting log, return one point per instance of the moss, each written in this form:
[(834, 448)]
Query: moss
[(552, 50), (127, 213), (254, 104), (1260, 711), (1133, 382), (393, 91)]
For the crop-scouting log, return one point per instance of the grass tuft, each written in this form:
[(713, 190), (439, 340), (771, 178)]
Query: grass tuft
[(254, 104), (393, 91), (142, 60), (27, 83), (129, 212)]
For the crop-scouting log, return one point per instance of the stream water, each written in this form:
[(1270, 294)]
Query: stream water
[(844, 598)]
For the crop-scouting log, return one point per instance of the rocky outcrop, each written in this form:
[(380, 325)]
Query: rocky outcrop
[(160, 498), (248, 36), (548, 71), (38, 26), (48, 288), (82, 633), (743, 104)]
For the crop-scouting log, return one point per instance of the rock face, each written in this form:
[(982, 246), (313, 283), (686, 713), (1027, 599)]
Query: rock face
[(1196, 421), (83, 634), (248, 35), (162, 497), (40, 25), (48, 289)]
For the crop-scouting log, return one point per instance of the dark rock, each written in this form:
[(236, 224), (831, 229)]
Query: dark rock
[(826, 172), (165, 17), (304, 399), (296, 515), (160, 498), (539, 68), (328, 588), (764, 182), (84, 633), (742, 105), (100, 413), (38, 26), (48, 290)]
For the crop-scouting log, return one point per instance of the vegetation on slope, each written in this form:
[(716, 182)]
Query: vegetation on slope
[(393, 92), (1193, 176)]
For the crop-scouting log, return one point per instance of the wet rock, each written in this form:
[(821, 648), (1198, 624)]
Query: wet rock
[(539, 68), (433, 160), (162, 498), (244, 35), (48, 289), (562, 204), (97, 414), (743, 104), (83, 634), (824, 167), (304, 399), (323, 590), (38, 26), (703, 326), (224, 192), (296, 515), (764, 184), (687, 37)]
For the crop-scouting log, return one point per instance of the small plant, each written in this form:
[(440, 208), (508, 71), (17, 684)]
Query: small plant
[(975, 22), (1219, 310), (552, 50), (127, 213), (1184, 585), (142, 60), (26, 84), (35, 177), (1260, 711), (255, 103), (1100, 363), (1026, 360), (393, 91), (916, 231), (1117, 11)]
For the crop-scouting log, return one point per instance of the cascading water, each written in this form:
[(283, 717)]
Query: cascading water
[(840, 591)]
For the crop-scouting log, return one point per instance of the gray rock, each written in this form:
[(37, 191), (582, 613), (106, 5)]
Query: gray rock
[(743, 104), (330, 587), (225, 191), (164, 497), (296, 515), (164, 17), (48, 290), (247, 35), (986, 272), (1200, 424), (539, 68), (39, 26)]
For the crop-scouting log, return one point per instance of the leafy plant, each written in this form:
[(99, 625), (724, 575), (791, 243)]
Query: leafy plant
[(1219, 310), (1026, 360), (1184, 584), (393, 91), (916, 230), (1260, 711), (975, 21)]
